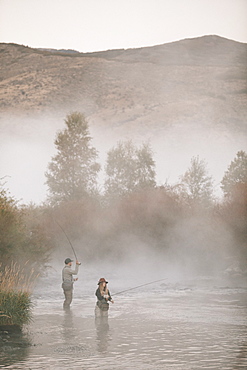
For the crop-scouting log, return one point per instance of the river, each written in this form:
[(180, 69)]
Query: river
[(188, 324)]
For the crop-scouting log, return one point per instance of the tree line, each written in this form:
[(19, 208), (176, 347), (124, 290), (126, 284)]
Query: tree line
[(182, 220), (72, 172)]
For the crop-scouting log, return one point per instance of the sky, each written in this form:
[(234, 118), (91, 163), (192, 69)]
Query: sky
[(94, 25)]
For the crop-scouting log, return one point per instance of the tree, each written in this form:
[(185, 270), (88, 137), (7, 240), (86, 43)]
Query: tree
[(196, 185), (73, 170), (22, 238), (129, 168), (9, 225), (235, 174)]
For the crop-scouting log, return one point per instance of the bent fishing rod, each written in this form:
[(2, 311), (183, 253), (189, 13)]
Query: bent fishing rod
[(139, 286), (67, 239)]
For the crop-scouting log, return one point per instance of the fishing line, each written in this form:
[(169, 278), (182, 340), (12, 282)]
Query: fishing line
[(139, 286), (67, 239)]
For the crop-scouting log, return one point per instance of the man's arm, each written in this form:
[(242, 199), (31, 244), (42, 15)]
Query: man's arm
[(75, 271)]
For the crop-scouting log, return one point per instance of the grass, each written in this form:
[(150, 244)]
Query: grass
[(15, 308), (15, 295)]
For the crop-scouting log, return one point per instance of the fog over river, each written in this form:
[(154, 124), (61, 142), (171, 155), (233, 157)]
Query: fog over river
[(28, 146), (181, 322)]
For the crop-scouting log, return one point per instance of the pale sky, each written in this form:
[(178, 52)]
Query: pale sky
[(93, 25)]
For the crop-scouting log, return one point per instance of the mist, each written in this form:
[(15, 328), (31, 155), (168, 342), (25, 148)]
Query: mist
[(144, 239), (177, 277), (175, 269), (27, 146)]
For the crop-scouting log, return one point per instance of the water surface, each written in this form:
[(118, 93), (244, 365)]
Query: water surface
[(166, 326)]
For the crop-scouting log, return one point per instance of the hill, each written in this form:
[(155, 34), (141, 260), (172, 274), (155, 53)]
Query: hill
[(202, 80), (176, 95)]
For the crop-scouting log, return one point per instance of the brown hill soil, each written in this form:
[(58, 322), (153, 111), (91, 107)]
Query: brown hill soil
[(200, 82), (187, 98)]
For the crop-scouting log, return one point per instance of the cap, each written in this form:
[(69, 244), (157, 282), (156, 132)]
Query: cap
[(102, 280), (68, 260)]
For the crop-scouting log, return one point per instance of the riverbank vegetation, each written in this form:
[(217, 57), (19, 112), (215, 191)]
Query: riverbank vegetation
[(183, 223), (15, 295), (23, 235)]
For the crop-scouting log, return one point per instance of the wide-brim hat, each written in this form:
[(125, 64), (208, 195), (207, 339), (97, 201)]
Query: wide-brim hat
[(68, 260), (102, 280)]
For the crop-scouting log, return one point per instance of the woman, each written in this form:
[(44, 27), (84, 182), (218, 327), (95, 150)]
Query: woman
[(103, 296)]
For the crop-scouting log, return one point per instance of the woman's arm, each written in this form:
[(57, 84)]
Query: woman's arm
[(98, 295), (110, 298)]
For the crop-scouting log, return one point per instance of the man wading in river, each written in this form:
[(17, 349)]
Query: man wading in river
[(68, 281)]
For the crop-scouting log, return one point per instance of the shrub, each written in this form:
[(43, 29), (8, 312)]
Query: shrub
[(15, 308), (15, 301)]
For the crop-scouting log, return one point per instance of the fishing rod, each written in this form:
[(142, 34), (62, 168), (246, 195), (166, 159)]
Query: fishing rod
[(67, 239), (139, 286)]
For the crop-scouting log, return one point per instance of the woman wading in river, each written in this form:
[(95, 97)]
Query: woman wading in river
[(103, 297)]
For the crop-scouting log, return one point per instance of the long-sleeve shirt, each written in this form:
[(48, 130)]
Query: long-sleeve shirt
[(68, 272), (101, 297)]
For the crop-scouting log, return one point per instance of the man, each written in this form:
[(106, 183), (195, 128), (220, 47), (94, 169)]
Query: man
[(68, 281)]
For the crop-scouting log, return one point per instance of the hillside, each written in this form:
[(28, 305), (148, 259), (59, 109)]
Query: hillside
[(187, 98), (199, 81)]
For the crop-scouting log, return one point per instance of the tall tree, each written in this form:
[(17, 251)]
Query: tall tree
[(235, 174), (129, 168), (196, 185), (72, 173)]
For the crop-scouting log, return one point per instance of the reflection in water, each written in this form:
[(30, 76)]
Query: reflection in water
[(103, 337), (196, 328), (14, 347), (68, 326), (242, 357)]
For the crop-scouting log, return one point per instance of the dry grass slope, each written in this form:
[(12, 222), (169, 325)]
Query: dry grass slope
[(200, 81)]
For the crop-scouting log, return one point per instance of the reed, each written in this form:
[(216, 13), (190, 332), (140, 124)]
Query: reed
[(15, 295)]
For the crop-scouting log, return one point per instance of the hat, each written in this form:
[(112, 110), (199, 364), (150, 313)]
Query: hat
[(68, 260), (102, 280)]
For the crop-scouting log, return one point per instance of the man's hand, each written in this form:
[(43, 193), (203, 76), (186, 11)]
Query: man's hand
[(78, 263), (75, 279)]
